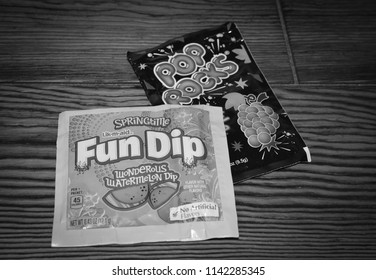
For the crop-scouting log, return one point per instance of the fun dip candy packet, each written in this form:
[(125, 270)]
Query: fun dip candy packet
[(142, 174), (215, 67)]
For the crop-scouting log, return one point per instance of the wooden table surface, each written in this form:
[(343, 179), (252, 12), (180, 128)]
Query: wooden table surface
[(319, 57)]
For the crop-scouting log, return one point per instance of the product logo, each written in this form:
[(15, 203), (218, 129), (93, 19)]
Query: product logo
[(143, 120), (187, 75), (157, 146)]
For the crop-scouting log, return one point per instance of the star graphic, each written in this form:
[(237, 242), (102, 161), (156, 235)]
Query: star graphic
[(142, 66), (270, 145), (241, 83), (237, 146)]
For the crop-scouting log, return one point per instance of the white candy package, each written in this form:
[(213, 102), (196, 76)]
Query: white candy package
[(143, 174)]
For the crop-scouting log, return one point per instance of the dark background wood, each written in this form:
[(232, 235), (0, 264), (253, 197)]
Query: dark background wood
[(319, 57)]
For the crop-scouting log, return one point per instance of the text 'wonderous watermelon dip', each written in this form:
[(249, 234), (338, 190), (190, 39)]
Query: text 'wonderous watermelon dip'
[(142, 174)]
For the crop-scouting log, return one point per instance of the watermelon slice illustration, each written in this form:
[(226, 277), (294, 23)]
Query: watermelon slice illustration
[(161, 193), (127, 198), (164, 211)]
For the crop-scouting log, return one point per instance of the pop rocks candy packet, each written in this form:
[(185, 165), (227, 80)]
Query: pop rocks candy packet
[(140, 174), (215, 67)]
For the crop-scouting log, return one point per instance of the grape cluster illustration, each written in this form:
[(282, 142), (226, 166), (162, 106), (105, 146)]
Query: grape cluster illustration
[(258, 122)]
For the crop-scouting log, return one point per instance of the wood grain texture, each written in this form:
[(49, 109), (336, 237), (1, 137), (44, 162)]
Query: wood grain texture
[(87, 41), (71, 55), (325, 209), (332, 41)]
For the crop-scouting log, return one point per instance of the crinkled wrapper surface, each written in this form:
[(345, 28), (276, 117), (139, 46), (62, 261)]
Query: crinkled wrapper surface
[(215, 67), (142, 174)]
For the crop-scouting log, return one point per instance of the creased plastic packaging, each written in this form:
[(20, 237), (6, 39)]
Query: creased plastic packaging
[(142, 174), (215, 67)]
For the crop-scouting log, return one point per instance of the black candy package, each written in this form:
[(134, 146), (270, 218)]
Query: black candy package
[(215, 67)]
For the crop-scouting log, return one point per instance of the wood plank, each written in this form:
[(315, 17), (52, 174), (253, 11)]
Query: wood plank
[(85, 41), (325, 209), (332, 41)]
